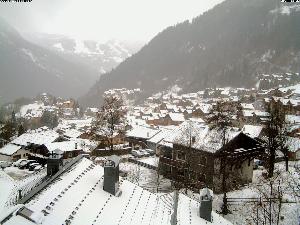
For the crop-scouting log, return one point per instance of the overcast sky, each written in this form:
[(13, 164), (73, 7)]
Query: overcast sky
[(102, 19)]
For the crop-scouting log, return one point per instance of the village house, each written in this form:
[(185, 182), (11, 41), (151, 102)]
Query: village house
[(11, 152), (69, 149), (139, 135), (30, 145), (198, 153)]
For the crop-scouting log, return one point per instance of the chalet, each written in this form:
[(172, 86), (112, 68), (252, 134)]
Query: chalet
[(70, 149), (254, 116), (155, 142), (139, 135), (173, 119), (198, 151), (11, 152), (30, 145)]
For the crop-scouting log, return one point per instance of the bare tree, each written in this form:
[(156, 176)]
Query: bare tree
[(276, 137), (110, 121)]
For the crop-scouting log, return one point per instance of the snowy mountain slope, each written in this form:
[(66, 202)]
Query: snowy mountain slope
[(100, 56), (27, 69)]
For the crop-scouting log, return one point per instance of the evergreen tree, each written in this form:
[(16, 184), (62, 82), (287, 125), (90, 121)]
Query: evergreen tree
[(21, 130), (7, 131), (49, 119)]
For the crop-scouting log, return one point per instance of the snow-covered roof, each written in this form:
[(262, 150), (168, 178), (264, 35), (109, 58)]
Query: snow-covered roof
[(205, 107), (78, 197), (178, 117), (142, 132), (9, 149), (250, 113), (247, 106), (292, 119), (252, 131), (72, 133), (206, 139), (164, 132), (198, 120), (64, 146), (294, 89), (39, 138)]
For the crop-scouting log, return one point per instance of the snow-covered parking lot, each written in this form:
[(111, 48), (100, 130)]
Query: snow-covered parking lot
[(17, 173)]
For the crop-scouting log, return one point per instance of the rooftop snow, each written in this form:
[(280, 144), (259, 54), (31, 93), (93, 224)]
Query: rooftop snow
[(92, 205), (142, 132), (39, 138), (9, 149), (252, 131), (206, 139), (179, 117), (64, 146)]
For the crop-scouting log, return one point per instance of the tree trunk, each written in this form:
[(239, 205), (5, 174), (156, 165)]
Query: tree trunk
[(286, 158), (271, 163), (224, 187)]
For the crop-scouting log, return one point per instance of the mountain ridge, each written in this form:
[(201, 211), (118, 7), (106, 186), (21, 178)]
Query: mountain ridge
[(230, 45), (28, 68)]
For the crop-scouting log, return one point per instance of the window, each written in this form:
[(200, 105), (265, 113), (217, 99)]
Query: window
[(181, 172), (201, 177), (181, 155), (202, 160), (168, 168), (193, 175)]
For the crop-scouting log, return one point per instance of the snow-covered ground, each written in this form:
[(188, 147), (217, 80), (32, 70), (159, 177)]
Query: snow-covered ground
[(245, 212), (150, 160), (146, 178), (16, 173)]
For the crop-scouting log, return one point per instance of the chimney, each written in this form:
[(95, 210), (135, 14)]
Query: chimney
[(205, 204), (193, 139), (111, 175), (54, 162)]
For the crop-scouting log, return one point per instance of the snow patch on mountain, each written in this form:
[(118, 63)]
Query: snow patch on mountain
[(286, 10), (59, 47), (80, 47)]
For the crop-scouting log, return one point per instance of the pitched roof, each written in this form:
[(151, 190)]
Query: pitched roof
[(9, 149), (78, 196), (252, 131), (206, 139), (142, 132), (39, 138), (178, 117)]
